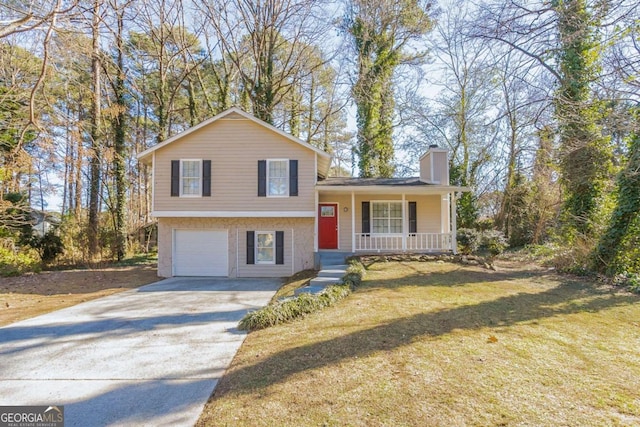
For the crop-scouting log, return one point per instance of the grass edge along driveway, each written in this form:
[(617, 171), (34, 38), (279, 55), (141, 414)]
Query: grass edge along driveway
[(443, 344)]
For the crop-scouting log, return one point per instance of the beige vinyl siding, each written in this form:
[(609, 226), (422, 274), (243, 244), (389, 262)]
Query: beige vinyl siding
[(298, 243), (428, 209), (440, 168), (429, 212), (438, 161), (234, 147), (425, 167)]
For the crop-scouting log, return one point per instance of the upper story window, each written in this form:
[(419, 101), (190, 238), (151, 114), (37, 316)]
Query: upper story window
[(386, 217), (190, 177), (278, 178)]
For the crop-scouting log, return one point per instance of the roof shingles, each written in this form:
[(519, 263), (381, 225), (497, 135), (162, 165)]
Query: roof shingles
[(366, 182)]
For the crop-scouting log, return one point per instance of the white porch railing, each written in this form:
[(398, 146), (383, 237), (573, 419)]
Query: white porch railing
[(414, 242)]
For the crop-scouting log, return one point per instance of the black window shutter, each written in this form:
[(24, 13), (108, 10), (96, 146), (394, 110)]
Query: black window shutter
[(279, 247), (206, 177), (175, 178), (366, 223), (262, 178), (251, 244), (413, 217), (293, 177)]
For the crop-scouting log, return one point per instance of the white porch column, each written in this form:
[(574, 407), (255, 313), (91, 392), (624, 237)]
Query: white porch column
[(353, 222), (315, 223), (454, 224), (445, 213), (405, 224)]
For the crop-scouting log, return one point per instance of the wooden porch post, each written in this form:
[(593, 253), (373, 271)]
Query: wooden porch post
[(405, 224), (315, 224), (353, 222), (454, 224)]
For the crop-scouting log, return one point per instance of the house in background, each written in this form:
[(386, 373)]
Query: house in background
[(237, 197)]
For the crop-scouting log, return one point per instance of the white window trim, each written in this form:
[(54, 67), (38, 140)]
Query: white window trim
[(256, 248), (199, 182), (371, 219), (286, 176)]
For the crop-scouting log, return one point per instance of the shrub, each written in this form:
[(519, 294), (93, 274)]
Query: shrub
[(575, 259), (493, 241), (303, 304), (468, 240), (17, 262), (293, 308), (49, 246), (628, 280)]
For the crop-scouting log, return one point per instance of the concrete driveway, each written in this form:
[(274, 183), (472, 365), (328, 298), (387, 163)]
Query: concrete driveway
[(148, 356)]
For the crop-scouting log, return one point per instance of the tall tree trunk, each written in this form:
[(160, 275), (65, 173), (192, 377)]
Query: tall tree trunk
[(312, 95), (119, 144), (77, 179), (68, 163), (94, 163), (586, 154), (503, 219)]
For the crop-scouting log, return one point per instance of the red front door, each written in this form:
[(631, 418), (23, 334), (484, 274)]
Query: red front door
[(328, 226)]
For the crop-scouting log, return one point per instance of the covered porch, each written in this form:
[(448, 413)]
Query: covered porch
[(385, 215)]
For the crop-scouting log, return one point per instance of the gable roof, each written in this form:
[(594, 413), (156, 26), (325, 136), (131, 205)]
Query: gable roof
[(324, 159)]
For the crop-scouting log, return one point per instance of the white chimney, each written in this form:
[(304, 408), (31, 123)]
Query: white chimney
[(434, 166)]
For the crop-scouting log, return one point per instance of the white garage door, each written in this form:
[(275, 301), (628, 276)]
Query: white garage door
[(200, 253)]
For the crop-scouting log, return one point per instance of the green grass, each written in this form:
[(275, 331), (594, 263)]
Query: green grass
[(442, 344), (138, 259)]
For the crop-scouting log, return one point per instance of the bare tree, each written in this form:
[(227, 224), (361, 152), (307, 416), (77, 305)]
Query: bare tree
[(269, 44), (460, 116), (381, 34)]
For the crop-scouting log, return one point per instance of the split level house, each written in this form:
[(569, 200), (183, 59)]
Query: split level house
[(237, 197)]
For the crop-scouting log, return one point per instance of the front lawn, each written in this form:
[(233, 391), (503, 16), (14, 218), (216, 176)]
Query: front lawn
[(442, 344)]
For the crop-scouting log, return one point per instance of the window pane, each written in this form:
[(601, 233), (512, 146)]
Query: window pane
[(191, 177), (327, 211), (278, 179), (265, 239), (387, 217), (265, 255), (190, 169), (396, 210), (265, 247), (380, 226), (191, 186), (277, 169)]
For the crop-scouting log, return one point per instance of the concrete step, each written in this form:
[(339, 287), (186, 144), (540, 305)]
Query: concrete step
[(333, 258), (333, 271), (325, 281)]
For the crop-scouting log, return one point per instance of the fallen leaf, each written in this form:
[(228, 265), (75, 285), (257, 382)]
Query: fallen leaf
[(492, 339)]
